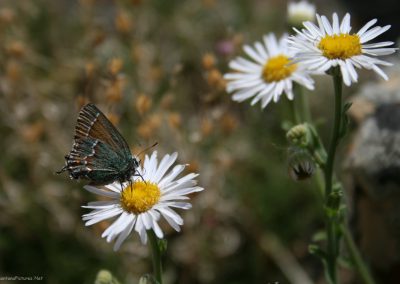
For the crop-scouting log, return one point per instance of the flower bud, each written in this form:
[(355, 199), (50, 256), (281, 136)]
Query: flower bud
[(335, 197), (299, 12), (105, 277), (298, 135), (147, 279), (301, 165), (208, 61)]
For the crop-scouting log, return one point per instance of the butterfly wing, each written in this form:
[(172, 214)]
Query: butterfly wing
[(94, 124), (99, 152), (94, 160)]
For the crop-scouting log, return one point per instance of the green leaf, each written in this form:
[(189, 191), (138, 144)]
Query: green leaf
[(347, 106), (316, 250), (162, 245), (319, 236), (346, 262)]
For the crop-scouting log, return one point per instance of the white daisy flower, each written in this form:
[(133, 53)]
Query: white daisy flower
[(140, 205), (268, 74), (324, 46), (298, 12)]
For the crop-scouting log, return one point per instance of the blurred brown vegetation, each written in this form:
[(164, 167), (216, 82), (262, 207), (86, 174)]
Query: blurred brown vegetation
[(155, 68)]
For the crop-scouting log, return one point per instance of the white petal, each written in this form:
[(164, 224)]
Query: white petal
[(100, 191), (325, 67), (288, 89), (321, 25), (345, 73), (166, 211), (175, 185), (253, 54), (262, 51), (141, 230), (180, 205), (146, 219), (278, 91), (150, 166), (271, 44), (380, 72), (171, 175), (373, 33), (173, 197), (327, 25), (241, 76), (313, 28), (283, 47), (100, 216), (335, 24), (244, 94), (186, 191), (243, 84), (118, 226), (263, 93), (115, 186), (124, 234), (266, 100), (378, 44), (157, 230), (185, 180), (345, 25), (366, 27), (352, 71), (164, 166), (243, 65), (379, 51)]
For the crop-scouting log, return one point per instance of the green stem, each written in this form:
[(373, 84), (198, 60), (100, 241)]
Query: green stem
[(156, 251), (356, 257), (327, 165), (337, 79), (304, 105), (331, 222), (295, 112)]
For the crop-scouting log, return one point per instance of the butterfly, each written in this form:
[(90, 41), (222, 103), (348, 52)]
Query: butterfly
[(99, 152)]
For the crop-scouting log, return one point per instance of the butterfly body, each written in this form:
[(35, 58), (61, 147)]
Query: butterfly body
[(99, 153)]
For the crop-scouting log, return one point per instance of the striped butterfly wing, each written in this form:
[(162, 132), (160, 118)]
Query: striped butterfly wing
[(94, 124), (99, 152), (94, 160)]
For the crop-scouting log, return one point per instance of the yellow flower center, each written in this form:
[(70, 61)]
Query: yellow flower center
[(278, 68), (139, 197), (341, 46)]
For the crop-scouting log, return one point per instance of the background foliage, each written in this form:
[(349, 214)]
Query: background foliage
[(155, 68)]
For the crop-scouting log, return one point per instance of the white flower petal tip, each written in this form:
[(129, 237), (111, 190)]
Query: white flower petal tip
[(140, 207), (327, 45), (267, 73)]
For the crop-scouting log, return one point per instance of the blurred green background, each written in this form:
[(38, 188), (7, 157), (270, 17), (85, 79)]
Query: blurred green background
[(155, 69)]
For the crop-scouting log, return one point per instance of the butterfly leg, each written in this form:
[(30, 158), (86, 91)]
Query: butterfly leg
[(62, 170), (139, 175)]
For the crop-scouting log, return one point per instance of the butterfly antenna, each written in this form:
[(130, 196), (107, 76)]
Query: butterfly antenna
[(147, 148)]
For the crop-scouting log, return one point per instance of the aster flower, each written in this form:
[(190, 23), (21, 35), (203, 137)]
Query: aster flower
[(298, 12), (321, 47), (268, 74), (140, 205)]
